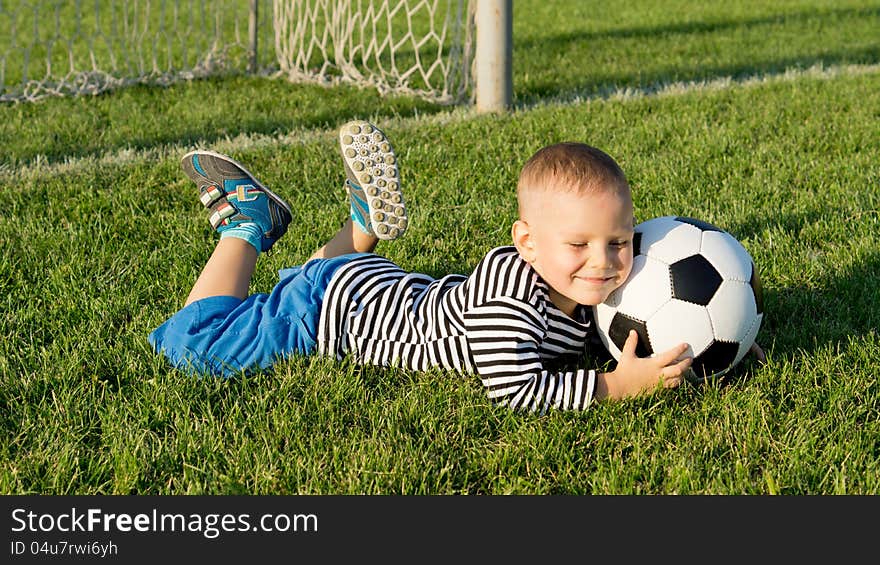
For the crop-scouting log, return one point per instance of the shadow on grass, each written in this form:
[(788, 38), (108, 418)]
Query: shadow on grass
[(648, 83), (692, 27), (808, 318), (653, 75), (847, 305)]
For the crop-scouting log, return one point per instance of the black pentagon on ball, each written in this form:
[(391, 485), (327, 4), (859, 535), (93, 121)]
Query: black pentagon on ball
[(755, 282), (694, 279), (619, 328), (637, 243), (716, 358), (705, 226)]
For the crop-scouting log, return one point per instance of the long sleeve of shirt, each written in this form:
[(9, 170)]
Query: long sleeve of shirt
[(497, 322), (504, 336)]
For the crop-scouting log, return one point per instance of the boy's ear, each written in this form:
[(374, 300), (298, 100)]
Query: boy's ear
[(522, 239)]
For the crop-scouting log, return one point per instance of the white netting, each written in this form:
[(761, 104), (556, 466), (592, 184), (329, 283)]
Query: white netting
[(422, 47), (66, 47)]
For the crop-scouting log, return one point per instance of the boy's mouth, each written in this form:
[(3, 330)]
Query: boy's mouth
[(597, 281)]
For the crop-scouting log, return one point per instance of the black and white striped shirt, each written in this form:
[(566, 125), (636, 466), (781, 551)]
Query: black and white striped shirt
[(499, 322)]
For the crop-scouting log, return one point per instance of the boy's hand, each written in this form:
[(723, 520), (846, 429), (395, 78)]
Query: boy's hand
[(637, 375)]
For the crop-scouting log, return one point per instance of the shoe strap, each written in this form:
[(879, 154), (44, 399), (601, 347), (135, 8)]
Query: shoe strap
[(349, 185)]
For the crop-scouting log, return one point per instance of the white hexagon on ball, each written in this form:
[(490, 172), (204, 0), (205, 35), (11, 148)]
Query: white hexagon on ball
[(680, 322), (641, 293), (730, 309), (749, 338), (669, 245), (727, 255)]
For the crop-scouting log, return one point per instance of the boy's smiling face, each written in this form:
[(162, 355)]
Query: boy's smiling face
[(580, 243)]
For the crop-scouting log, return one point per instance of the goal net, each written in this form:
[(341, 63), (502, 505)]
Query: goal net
[(422, 47), (69, 47), (65, 47)]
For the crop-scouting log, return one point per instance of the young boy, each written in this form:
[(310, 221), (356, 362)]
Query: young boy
[(524, 307)]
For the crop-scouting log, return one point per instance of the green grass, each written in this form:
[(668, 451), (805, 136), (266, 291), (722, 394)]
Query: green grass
[(101, 238), (597, 46)]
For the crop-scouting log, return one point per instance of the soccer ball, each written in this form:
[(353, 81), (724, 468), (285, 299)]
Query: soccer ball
[(691, 282)]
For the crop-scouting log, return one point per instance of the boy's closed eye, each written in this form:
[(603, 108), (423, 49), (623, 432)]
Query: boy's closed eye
[(616, 243)]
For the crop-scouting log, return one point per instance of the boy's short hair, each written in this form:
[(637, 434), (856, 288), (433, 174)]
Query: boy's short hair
[(570, 167)]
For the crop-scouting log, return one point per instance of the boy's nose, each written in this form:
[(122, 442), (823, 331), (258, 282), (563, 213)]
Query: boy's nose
[(598, 258)]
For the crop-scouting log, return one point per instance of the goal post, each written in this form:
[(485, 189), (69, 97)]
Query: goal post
[(494, 77)]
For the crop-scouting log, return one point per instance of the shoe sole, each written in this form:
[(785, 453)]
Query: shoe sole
[(370, 163), (205, 179)]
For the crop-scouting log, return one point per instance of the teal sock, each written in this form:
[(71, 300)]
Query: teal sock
[(248, 231)]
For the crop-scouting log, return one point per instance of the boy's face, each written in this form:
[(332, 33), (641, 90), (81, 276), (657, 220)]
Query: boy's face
[(580, 244)]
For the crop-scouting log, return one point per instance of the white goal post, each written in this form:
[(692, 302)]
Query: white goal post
[(446, 51), (494, 80)]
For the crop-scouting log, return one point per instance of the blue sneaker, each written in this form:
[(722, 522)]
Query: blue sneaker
[(373, 180), (234, 196)]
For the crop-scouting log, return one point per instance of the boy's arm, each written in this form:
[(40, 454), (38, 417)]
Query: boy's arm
[(504, 336)]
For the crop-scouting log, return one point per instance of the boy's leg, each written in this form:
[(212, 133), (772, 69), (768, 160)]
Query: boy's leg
[(249, 217), (348, 239), (378, 210), (228, 272), (243, 210)]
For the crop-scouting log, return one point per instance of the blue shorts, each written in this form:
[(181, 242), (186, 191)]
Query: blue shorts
[(225, 335)]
